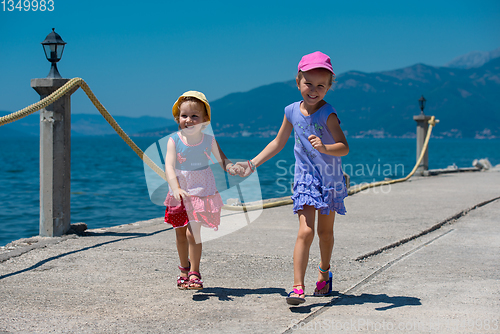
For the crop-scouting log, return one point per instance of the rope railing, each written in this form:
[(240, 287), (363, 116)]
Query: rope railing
[(71, 84), (80, 83), (432, 122)]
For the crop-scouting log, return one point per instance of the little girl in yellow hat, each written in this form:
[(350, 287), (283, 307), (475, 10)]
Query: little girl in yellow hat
[(193, 200)]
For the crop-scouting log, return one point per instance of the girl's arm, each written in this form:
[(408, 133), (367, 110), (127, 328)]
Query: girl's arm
[(224, 162), (170, 172), (275, 146), (340, 148), (219, 155)]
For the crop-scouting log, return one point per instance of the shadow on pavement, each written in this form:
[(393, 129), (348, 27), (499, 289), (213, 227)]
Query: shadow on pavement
[(226, 294), (365, 298), (393, 301), (124, 236)]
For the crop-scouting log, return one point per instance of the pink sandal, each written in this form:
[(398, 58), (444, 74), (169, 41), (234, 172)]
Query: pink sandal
[(296, 300), (321, 284), (183, 281), (196, 280)]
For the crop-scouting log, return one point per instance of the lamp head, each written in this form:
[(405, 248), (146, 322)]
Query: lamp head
[(421, 102), (53, 46)]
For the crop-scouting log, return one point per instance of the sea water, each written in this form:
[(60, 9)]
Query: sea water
[(108, 184)]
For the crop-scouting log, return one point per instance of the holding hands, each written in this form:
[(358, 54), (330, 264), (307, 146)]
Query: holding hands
[(242, 168), (233, 169)]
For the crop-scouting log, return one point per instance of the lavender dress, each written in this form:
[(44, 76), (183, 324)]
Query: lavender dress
[(319, 179)]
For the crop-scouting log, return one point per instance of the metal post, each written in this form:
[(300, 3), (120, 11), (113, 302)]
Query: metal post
[(55, 159), (422, 127)]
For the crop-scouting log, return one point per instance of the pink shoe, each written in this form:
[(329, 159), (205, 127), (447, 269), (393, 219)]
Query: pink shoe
[(196, 280), (296, 300), (321, 284), (183, 281)]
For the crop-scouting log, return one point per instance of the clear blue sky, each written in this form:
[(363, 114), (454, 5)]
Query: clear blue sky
[(138, 57)]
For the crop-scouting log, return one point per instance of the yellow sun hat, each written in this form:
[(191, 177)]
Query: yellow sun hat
[(192, 93)]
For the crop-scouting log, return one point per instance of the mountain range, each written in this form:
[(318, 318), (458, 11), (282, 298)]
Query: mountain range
[(381, 104), (463, 95), (474, 59)]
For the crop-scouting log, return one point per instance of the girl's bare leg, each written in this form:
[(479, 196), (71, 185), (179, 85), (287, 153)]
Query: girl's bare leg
[(303, 243), (326, 241), (183, 250), (195, 247), (182, 246)]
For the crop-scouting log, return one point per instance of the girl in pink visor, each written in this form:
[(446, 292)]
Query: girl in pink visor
[(319, 184)]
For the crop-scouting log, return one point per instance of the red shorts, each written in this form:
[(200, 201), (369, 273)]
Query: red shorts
[(176, 215)]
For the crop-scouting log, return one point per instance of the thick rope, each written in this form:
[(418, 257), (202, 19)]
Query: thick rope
[(79, 82), (432, 123)]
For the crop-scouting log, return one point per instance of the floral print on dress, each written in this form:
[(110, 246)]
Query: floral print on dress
[(307, 130), (319, 130), (310, 153)]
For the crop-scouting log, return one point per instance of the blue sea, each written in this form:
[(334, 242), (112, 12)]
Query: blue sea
[(108, 184)]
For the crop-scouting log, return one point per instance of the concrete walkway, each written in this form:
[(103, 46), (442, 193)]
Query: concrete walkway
[(122, 279)]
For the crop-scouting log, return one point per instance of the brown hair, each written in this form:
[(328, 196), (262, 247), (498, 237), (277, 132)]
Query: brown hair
[(300, 75)]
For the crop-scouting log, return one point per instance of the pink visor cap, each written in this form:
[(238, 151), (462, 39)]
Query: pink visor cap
[(315, 60)]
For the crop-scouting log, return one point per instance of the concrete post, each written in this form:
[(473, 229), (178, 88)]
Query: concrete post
[(422, 127), (55, 159)]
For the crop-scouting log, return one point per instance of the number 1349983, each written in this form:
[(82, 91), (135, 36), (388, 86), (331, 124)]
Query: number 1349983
[(27, 5)]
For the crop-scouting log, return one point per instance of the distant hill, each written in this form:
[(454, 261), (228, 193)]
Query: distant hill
[(380, 104), (85, 125), (474, 59), (27, 126)]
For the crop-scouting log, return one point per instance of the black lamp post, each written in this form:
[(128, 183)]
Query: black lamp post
[(421, 102), (53, 46)]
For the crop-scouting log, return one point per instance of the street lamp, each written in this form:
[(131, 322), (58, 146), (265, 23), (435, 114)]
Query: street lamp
[(421, 102), (53, 46)]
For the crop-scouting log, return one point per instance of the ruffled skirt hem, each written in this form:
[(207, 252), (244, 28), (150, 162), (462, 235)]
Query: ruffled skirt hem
[(309, 191)]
